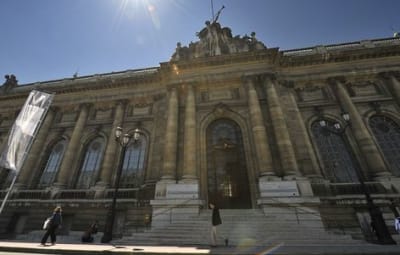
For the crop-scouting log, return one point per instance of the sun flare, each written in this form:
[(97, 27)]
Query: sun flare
[(140, 9)]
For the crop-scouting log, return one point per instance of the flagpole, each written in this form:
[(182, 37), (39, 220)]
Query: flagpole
[(22, 134), (8, 193), (212, 9)]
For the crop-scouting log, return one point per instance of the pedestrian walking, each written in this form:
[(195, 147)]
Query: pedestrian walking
[(215, 221), (55, 222)]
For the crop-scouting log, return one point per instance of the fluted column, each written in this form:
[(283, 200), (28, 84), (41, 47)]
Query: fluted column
[(107, 167), (171, 138), (309, 162), (372, 157), (189, 153), (285, 147), (263, 152), (72, 148), (26, 173)]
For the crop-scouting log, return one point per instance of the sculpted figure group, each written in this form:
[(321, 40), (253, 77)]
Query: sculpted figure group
[(216, 40)]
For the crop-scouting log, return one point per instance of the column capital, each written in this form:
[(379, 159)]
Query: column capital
[(249, 81), (334, 80), (389, 74), (121, 102), (261, 77), (54, 109), (84, 106), (248, 78), (286, 83), (269, 77), (173, 88)]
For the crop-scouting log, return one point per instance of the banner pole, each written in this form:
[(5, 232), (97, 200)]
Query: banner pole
[(8, 193)]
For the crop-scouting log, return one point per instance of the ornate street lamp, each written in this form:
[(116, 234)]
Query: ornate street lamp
[(123, 141), (378, 224)]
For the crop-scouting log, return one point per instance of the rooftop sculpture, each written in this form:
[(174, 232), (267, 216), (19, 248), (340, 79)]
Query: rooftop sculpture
[(216, 40)]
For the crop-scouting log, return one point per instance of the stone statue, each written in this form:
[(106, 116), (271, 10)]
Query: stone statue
[(215, 41), (11, 82)]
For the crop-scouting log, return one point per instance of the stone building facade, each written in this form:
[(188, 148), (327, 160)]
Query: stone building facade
[(226, 120)]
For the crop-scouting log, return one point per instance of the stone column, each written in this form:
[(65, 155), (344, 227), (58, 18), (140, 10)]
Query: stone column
[(263, 152), (286, 151), (372, 157), (70, 155), (395, 85), (26, 173), (183, 197), (107, 167), (171, 138), (189, 153), (306, 152)]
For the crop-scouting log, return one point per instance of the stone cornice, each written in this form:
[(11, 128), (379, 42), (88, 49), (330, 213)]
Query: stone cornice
[(368, 49), (269, 55), (86, 83)]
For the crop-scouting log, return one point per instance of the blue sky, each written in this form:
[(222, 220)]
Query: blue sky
[(52, 39)]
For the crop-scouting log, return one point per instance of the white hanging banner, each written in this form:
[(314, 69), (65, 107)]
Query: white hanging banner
[(24, 130)]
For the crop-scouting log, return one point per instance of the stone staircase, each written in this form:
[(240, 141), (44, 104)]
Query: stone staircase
[(240, 227)]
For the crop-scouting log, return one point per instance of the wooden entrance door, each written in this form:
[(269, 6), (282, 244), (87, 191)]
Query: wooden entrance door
[(227, 179)]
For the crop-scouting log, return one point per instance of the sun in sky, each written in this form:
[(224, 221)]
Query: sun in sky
[(139, 10)]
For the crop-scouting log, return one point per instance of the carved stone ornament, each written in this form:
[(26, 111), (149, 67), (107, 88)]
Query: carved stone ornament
[(220, 109), (216, 40)]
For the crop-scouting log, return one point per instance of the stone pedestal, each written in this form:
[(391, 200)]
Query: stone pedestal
[(55, 189), (100, 190), (392, 183), (275, 187), (175, 201), (290, 200), (296, 210)]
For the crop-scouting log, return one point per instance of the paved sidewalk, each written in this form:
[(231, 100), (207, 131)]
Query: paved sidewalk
[(278, 249)]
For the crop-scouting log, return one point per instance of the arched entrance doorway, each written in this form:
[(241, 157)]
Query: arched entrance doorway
[(227, 179)]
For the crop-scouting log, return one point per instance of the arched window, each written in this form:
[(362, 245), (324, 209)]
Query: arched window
[(91, 164), (133, 169), (387, 134), (338, 163), (53, 163)]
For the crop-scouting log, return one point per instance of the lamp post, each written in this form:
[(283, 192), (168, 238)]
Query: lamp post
[(377, 221), (123, 141)]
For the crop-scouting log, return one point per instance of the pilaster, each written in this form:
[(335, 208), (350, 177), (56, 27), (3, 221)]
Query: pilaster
[(107, 167), (64, 174), (189, 153), (285, 146), (263, 152)]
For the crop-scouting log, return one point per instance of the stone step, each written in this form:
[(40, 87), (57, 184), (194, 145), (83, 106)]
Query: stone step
[(239, 226), (205, 241), (286, 235)]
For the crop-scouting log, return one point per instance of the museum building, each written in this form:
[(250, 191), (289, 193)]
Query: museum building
[(310, 136)]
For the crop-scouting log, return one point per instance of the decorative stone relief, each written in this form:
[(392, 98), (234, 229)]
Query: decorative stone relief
[(141, 110), (219, 95), (68, 117), (311, 94), (365, 89), (103, 114)]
